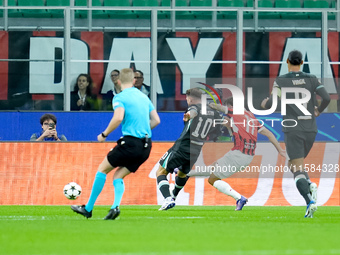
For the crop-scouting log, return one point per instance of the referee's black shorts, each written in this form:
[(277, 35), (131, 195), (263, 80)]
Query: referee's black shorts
[(298, 143), (130, 152)]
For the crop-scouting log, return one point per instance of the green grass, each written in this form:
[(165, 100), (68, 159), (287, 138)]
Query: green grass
[(182, 230)]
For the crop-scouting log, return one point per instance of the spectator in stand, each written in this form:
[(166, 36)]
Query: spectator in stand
[(49, 132), (82, 98), (107, 98), (139, 84)]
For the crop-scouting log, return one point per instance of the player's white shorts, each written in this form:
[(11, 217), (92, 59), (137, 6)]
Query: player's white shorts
[(232, 162)]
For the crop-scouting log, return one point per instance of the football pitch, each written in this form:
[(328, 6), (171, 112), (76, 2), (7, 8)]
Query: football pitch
[(182, 230)]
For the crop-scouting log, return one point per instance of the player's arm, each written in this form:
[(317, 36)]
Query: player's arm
[(264, 131), (117, 118), (154, 119), (321, 91), (219, 107), (267, 102), (192, 113), (227, 123)]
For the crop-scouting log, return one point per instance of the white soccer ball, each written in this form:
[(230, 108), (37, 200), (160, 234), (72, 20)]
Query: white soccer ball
[(72, 190)]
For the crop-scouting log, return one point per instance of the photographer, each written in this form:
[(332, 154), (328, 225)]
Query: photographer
[(49, 133)]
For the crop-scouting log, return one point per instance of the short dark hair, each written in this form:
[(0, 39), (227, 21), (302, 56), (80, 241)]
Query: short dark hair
[(229, 100), (115, 70), (48, 116), (295, 57), (139, 71), (194, 92)]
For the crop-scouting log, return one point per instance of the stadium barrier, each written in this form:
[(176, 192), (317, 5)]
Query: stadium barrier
[(35, 174), (21, 125)]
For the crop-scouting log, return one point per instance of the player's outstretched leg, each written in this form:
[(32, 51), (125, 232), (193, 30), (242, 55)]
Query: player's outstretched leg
[(119, 187), (164, 187), (172, 188), (81, 210), (98, 184), (302, 184), (179, 185), (312, 207), (240, 203), (225, 188)]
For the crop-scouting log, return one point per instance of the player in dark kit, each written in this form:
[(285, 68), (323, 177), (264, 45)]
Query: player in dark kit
[(241, 155), (301, 131), (184, 153)]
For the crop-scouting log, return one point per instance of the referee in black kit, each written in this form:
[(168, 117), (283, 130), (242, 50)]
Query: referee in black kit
[(301, 132), (138, 116)]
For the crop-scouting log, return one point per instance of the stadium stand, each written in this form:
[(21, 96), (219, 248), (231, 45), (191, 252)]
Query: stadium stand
[(13, 12), (290, 4), (182, 14), (201, 14), (166, 3), (299, 5), (119, 14), (232, 3), (80, 13), (331, 15), (144, 3), (57, 13), (100, 14), (33, 13), (264, 4), (319, 4)]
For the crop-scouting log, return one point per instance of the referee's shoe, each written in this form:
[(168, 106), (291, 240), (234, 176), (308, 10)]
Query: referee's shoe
[(81, 210), (113, 213)]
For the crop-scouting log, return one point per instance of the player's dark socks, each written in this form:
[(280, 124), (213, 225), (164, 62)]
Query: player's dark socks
[(163, 185), (303, 185), (305, 174), (179, 184), (301, 174), (307, 177)]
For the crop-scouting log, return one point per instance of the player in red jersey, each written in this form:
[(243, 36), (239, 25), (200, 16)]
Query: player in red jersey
[(244, 129)]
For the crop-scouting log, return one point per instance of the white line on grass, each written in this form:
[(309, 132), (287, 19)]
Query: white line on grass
[(22, 217), (247, 252)]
